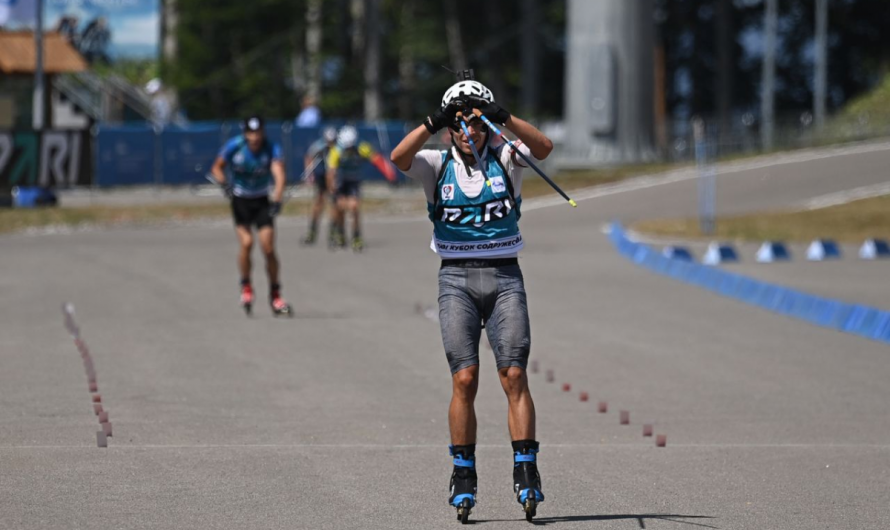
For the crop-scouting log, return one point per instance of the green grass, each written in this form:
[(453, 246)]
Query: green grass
[(863, 117), (535, 186), (13, 220), (850, 223)]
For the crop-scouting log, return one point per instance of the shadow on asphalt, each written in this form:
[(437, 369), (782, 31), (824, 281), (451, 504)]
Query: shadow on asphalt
[(640, 518)]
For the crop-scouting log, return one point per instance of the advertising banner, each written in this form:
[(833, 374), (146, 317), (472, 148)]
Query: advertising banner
[(51, 158)]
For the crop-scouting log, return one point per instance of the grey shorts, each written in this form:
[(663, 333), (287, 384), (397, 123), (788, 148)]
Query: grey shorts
[(495, 296)]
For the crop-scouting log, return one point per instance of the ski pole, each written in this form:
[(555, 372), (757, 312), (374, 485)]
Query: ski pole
[(303, 176), (287, 192), (212, 180), (516, 150), (463, 125)]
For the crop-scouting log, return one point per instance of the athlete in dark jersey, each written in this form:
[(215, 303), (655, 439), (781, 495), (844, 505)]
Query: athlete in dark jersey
[(254, 163), (344, 164), (316, 159)]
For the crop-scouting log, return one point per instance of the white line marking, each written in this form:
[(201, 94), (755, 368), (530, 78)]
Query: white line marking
[(680, 175), (843, 197)]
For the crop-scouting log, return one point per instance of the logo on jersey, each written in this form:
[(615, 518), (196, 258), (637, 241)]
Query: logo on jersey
[(497, 185), (448, 192), (238, 158), (477, 215)]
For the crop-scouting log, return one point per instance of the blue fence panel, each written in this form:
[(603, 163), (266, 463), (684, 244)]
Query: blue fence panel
[(137, 155), (126, 156), (188, 155)]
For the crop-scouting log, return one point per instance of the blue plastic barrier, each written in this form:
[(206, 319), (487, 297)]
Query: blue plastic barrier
[(771, 251), (864, 321), (822, 249), (874, 249), (679, 253), (25, 196), (718, 253)]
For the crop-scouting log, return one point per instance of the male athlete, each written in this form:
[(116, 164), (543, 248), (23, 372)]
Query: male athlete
[(344, 165), (475, 212), (315, 159), (253, 163)]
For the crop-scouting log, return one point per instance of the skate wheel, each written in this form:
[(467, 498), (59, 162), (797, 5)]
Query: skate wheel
[(463, 512), (531, 508)]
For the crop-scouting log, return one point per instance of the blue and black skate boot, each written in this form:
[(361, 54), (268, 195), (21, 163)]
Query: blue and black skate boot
[(463, 481), (526, 480)]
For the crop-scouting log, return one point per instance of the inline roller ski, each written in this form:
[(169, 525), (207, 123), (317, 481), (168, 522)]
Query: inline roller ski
[(309, 238), (279, 306), (336, 240), (463, 481), (358, 244), (247, 298), (526, 479)]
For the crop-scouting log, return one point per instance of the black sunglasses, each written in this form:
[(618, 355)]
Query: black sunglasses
[(477, 125)]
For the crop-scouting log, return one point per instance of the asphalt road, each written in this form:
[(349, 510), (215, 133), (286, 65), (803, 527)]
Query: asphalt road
[(337, 418)]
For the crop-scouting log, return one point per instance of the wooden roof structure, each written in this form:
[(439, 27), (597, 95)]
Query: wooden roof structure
[(18, 56)]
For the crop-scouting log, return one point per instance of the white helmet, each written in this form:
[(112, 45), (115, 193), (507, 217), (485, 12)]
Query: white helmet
[(347, 137), (329, 134), (463, 89)]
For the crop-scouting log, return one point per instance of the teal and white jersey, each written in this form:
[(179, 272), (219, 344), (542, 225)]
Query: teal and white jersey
[(470, 219), (251, 172)]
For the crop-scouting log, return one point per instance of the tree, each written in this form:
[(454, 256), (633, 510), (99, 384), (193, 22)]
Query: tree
[(373, 104)]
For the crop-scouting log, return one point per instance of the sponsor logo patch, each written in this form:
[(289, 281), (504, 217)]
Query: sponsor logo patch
[(448, 192), (497, 185)]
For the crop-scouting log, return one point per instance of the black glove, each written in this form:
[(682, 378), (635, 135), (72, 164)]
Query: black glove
[(274, 208), (229, 190), (441, 118), (492, 110)]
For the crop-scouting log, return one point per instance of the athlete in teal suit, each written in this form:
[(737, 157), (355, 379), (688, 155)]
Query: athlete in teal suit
[(475, 210)]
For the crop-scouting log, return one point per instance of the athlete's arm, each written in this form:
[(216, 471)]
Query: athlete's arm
[(377, 160), (539, 145), (280, 179), (403, 155), (332, 163), (219, 165), (218, 170)]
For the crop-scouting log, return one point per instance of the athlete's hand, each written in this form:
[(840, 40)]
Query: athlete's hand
[(229, 190), (441, 118), (274, 209), (491, 110)]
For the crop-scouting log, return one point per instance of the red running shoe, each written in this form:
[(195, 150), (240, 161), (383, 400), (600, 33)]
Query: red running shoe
[(247, 298)]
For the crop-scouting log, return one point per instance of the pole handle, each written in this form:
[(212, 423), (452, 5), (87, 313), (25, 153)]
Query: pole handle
[(516, 150)]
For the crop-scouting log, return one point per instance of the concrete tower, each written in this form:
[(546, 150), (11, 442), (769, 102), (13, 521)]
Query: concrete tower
[(609, 86)]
